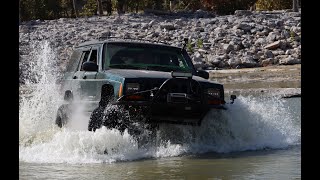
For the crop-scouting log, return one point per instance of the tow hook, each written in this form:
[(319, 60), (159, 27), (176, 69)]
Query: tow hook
[(232, 98)]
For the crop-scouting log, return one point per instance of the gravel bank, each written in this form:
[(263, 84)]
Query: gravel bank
[(243, 40)]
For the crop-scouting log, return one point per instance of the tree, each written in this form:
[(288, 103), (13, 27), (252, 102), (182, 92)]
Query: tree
[(295, 5), (19, 12), (120, 6), (228, 6), (100, 9), (75, 8)]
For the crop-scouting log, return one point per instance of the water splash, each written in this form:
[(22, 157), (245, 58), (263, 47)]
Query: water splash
[(36, 113), (252, 123)]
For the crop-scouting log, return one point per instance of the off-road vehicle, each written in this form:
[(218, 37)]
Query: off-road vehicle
[(125, 83)]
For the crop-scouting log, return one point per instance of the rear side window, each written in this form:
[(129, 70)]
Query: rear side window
[(88, 55), (74, 60), (84, 57), (94, 56)]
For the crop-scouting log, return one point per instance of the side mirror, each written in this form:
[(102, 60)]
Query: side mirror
[(203, 74), (90, 66)]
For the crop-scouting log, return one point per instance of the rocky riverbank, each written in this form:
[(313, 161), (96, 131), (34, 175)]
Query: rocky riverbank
[(243, 40)]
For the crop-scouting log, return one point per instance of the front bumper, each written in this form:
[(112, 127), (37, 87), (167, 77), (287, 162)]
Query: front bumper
[(169, 105)]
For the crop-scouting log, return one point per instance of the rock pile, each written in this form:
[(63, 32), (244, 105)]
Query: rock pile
[(245, 39)]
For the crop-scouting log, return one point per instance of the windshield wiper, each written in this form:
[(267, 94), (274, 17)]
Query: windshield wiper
[(164, 68), (124, 66)]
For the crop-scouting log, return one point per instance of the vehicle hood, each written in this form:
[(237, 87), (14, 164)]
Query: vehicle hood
[(140, 74)]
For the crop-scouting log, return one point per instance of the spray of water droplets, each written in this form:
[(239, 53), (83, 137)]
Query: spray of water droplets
[(252, 123), (36, 111)]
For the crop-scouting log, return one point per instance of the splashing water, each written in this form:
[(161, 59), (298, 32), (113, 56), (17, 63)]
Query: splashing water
[(252, 123), (36, 113)]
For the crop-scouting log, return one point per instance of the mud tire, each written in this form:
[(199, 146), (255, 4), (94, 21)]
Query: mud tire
[(63, 114)]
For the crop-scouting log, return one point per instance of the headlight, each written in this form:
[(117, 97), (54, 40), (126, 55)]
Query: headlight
[(214, 92), (132, 87)]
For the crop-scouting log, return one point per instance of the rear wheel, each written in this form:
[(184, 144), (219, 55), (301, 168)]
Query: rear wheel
[(116, 117), (64, 110), (63, 114)]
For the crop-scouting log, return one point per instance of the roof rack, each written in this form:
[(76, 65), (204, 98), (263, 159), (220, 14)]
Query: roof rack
[(133, 39)]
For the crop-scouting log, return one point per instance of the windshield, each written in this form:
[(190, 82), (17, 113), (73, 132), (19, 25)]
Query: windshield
[(144, 57)]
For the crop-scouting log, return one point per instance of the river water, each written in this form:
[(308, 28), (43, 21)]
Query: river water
[(258, 137)]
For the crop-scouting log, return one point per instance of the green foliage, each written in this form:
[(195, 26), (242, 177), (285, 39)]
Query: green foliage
[(51, 9), (134, 5), (200, 43), (183, 5), (154, 4), (43, 9), (190, 47), (273, 4), (228, 6), (292, 36), (90, 8), (194, 5)]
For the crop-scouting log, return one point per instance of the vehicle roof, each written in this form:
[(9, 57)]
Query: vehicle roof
[(124, 40)]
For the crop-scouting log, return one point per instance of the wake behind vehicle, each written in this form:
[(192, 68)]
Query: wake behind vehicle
[(132, 84)]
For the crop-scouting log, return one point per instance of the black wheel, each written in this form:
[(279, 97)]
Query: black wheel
[(111, 116), (121, 118), (96, 118), (98, 115), (64, 110), (116, 118), (63, 114)]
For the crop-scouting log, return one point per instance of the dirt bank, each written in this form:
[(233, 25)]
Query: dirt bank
[(284, 79)]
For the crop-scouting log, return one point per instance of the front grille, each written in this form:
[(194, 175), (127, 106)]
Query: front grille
[(183, 86), (178, 90), (189, 88), (147, 84)]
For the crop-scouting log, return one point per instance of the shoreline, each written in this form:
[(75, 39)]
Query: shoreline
[(280, 76), (283, 80)]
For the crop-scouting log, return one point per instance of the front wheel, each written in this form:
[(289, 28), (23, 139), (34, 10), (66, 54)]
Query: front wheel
[(120, 118), (110, 117), (96, 118)]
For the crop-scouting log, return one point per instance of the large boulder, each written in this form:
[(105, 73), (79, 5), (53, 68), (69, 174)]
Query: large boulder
[(289, 61), (273, 45)]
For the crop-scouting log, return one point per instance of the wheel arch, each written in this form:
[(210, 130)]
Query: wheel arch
[(107, 92)]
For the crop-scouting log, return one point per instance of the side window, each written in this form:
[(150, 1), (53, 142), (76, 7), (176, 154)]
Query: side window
[(94, 56), (88, 55), (84, 57), (74, 60)]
